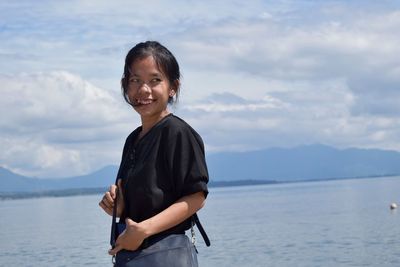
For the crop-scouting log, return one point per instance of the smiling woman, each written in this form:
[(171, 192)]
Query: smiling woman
[(162, 178), (157, 59)]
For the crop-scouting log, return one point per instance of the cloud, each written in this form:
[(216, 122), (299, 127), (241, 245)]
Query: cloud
[(55, 100), (277, 50), (231, 103), (57, 121), (289, 118), (361, 52)]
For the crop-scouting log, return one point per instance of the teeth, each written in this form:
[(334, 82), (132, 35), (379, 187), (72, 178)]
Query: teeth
[(143, 101)]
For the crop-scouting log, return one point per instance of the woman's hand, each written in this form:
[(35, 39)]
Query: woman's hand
[(131, 238), (107, 202)]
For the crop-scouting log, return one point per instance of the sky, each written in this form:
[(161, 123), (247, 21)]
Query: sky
[(256, 74)]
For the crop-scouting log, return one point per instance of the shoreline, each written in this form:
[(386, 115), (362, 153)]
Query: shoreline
[(212, 184)]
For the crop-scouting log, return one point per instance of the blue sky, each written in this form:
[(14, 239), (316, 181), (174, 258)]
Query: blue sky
[(256, 74)]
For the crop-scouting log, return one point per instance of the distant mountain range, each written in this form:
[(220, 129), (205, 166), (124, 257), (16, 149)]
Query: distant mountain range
[(11, 182), (312, 162)]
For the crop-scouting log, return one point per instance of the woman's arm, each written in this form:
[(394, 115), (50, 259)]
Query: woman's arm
[(175, 214), (135, 233)]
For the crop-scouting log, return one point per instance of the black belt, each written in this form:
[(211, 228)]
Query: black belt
[(201, 229)]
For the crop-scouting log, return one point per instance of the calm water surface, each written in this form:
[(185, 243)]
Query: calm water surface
[(335, 223)]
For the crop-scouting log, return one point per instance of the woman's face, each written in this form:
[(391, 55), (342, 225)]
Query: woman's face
[(148, 89)]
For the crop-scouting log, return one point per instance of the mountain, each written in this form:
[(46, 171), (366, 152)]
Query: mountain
[(312, 162), (11, 182)]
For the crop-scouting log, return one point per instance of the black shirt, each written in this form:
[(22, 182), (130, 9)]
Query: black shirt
[(167, 163)]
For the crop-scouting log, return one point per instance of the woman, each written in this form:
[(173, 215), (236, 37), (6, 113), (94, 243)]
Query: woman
[(162, 178)]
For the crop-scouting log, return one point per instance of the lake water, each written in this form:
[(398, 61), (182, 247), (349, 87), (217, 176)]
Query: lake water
[(334, 223)]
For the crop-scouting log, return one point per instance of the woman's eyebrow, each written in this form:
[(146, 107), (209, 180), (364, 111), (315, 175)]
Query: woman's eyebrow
[(154, 74)]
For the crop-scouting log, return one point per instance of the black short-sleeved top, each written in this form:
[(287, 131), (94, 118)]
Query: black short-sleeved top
[(167, 163)]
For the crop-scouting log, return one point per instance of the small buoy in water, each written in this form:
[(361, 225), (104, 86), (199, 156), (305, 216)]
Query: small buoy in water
[(393, 206)]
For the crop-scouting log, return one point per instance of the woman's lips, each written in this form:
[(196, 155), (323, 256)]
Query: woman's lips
[(141, 102)]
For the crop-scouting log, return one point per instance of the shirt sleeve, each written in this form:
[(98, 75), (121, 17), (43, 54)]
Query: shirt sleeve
[(186, 160)]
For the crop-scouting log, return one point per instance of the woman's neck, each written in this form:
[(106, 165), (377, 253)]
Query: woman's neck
[(148, 123)]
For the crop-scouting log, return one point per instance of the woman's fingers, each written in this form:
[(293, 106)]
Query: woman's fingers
[(113, 191), (109, 199), (105, 208), (115, 250), (107, 202), (129, 239)]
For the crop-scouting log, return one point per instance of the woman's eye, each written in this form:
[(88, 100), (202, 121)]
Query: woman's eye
[(156, 80), (133, 80)]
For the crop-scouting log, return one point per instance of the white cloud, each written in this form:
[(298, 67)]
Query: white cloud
[(276, 50), (57, 121), (55, 100), (228, 102), (335, 76), (30, 156), (289, 118)]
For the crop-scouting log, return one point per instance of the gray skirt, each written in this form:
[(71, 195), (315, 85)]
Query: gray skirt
[(174, 250)]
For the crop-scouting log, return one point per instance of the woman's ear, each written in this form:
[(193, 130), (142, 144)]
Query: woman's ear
[(174, 88)]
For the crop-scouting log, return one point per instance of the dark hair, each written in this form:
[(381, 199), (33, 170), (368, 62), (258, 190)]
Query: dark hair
[(164, 59)]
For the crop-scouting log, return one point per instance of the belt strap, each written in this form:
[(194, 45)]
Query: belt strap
[(114, 217), (201, 229)]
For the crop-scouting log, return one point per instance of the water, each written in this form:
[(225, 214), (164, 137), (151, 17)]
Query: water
[(335, 223)]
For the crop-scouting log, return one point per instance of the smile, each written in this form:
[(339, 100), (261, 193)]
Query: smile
[(140, 102)]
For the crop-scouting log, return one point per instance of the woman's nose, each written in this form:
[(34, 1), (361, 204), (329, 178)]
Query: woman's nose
[(144, 88)]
